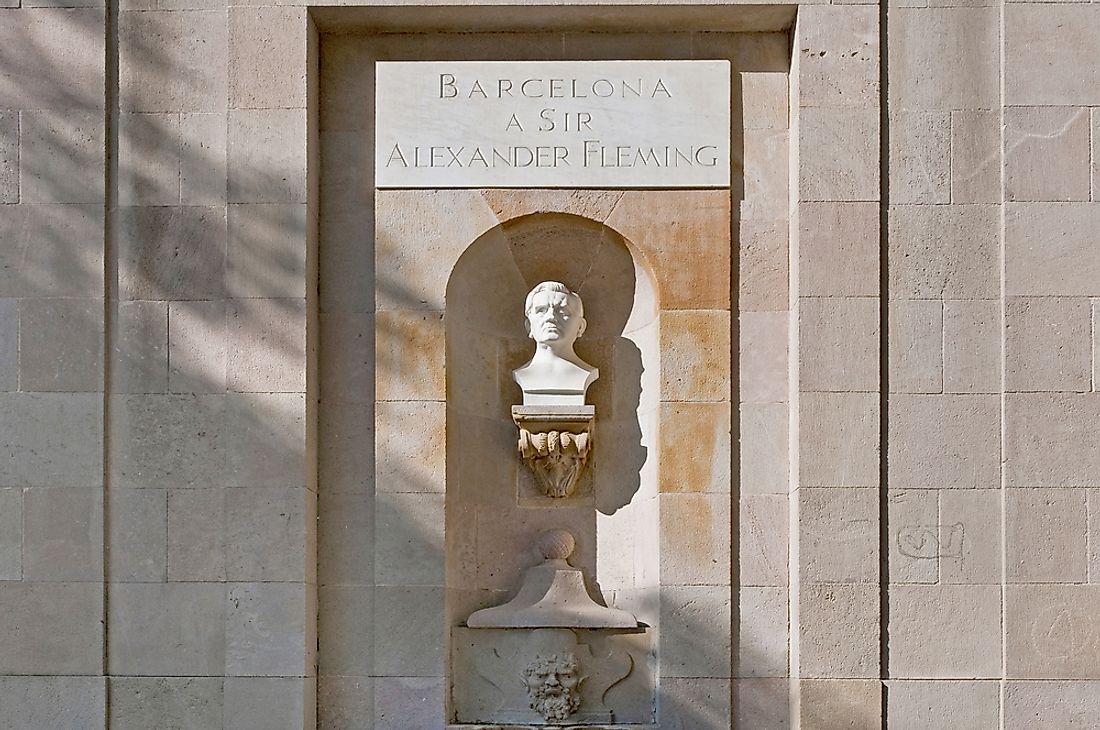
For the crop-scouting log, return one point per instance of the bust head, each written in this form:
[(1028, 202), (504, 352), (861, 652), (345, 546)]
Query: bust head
[(555, 375), (555, 315)]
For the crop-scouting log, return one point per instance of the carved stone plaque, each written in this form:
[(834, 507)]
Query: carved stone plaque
[(457, 124), (553, 677)]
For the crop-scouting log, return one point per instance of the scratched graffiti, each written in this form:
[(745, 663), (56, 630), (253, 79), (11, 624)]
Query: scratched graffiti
[(1059, 632), (929, 542)]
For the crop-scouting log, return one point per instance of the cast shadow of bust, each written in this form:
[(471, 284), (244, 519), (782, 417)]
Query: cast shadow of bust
[(619, 455)]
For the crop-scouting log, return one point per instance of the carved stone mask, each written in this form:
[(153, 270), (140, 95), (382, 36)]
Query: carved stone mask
[(553, 685)]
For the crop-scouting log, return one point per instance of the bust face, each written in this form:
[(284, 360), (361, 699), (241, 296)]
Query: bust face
[(553, 318)]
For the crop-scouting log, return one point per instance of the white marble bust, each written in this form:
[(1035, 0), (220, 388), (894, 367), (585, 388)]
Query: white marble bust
[(555, 375)]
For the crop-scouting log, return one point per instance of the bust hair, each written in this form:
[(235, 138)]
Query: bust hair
[(553, 286)]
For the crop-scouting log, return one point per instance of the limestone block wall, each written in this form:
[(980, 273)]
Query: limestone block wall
[(52, 366), (836, 609), (913, 540), (946, 370), (761, 507), (158, 503), (212, 502), (991, 454)]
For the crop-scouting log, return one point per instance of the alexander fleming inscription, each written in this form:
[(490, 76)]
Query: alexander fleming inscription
[(551, 119), (553, 124)]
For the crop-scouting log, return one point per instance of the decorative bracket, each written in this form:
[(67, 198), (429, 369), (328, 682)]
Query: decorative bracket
[(555, 441)]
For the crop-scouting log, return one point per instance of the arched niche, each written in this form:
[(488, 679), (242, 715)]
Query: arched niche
[(491, 522)]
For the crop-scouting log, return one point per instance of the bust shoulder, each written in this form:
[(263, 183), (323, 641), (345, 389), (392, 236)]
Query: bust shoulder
[(555, 377)]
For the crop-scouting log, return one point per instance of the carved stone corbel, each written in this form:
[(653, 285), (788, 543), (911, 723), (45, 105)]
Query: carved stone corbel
[(554, 442)]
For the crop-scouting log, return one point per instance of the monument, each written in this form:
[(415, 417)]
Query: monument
[(556, 604), (262, 285)]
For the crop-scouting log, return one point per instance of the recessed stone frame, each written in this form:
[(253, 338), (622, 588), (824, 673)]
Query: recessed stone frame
[(383, 593)]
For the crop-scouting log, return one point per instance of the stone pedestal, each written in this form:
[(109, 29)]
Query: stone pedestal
[(566, 648), (554, 594)]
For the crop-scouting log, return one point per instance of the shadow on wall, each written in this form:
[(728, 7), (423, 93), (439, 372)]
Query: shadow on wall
[(217, 287), (52, 243), (206, 326)]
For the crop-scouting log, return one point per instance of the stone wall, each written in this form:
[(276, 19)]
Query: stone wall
[(188, 380), (990, 455), (52, 366)]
